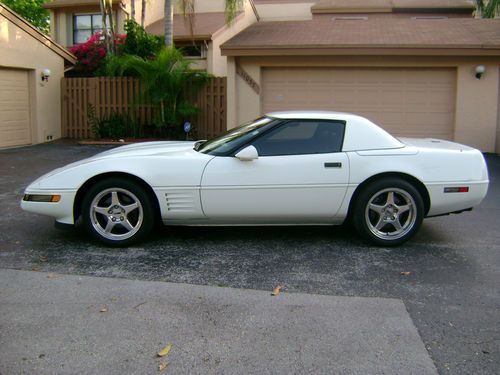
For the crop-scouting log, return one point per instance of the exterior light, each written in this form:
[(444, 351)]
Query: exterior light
[(45, 75), (480, 70)]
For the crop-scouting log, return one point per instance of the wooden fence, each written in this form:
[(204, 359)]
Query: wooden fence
[(118, 94)]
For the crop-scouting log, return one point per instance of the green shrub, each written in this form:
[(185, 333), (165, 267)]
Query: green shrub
[(115, 125)]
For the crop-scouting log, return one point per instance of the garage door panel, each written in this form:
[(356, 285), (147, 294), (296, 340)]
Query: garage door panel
[(14, 108), (406, 102)]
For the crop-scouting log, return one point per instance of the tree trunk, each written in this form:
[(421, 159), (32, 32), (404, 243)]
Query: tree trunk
[(169, 22), (109, 8), (132, 10), (102, 4), (143, 12)]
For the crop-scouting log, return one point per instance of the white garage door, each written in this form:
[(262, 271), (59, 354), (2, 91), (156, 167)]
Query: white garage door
[(406, 102), (14, 108)]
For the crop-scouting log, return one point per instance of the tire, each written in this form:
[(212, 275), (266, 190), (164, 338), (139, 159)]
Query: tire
[(388, 212), (118, 212)]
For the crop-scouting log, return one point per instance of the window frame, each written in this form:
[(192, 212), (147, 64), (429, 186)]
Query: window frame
[(202, 45), (92, 29), (285, 121)]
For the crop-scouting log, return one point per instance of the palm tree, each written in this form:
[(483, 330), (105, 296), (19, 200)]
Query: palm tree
[(108, 27), (168, 83), (187, 7), (143, 12), (487, 8)]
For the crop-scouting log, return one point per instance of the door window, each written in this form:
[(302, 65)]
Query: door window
[(302, 137)]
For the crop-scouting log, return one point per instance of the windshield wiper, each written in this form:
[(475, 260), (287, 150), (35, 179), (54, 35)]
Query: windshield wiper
[(198, 144)]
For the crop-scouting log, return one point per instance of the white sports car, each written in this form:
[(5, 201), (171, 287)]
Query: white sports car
[(283, 168)]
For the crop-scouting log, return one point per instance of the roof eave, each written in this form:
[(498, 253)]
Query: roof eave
[(187, 37), (462, 50)]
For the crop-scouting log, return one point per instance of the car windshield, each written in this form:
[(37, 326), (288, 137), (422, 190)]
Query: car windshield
[(234, 138)]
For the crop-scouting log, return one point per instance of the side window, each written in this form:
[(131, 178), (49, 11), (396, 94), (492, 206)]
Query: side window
[(85, 25), (302, 137)]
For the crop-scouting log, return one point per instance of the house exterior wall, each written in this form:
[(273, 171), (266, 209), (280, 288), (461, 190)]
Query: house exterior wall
[(216, 63), (293, 11), (61, 20), (498, 119), (21, 51), (155, 9), (476, 100)]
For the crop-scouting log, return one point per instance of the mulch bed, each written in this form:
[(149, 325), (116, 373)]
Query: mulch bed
[(123, 141)]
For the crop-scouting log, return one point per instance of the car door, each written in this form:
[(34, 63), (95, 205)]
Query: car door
[(300, 176)]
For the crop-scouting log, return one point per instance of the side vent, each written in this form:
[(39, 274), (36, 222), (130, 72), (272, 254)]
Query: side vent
[(179, 201)]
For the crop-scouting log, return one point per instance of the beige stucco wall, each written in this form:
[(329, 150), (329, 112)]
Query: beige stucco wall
[(61, 29), (476, 102), (216, 63), (285, 12), (155, 9), (477, 106), (20, 50), (497, 150)]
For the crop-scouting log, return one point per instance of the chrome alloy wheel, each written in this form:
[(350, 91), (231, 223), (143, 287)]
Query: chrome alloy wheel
[(116, 214), (391, 213)]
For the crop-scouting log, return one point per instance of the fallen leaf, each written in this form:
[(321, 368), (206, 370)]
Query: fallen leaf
[(404, 273), (17, 242), (162, 366), (104, 309), (165, 351), (276, 290), (51, 276), (114, 299), (140, 304), (36, 268), (43, 258)]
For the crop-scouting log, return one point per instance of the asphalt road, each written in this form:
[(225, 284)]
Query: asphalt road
[(452, 291)]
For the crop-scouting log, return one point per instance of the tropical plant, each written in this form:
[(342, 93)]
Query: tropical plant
[(168, 83), (139, 42), (187, 7), (32, 11), (488, 8)]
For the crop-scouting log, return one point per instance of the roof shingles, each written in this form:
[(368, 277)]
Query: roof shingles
[(369, 33)]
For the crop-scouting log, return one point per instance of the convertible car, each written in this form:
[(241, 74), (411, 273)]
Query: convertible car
[(283, 168)]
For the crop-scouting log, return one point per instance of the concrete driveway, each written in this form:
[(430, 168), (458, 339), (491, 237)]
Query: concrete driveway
[(451, 293)]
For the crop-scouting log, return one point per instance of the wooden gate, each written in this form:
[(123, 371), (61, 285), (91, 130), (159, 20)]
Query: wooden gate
[(118, 94)]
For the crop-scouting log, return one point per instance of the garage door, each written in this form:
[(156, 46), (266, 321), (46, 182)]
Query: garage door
[(14, 108), (406, 102)]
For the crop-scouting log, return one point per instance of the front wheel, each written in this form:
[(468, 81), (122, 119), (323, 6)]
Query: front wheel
[(388, 212), (117, 212)]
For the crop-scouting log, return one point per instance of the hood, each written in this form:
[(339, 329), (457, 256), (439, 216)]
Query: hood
[(136, 149), (146, 148)]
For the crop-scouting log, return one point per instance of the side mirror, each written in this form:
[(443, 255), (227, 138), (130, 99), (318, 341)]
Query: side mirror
[(247, 154)]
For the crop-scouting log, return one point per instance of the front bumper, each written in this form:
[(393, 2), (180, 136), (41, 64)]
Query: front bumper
[(62, 210)]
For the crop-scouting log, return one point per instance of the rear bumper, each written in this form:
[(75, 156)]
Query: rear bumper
[(444, 203)]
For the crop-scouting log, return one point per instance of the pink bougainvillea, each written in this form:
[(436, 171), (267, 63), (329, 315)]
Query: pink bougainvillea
[(91, 54)]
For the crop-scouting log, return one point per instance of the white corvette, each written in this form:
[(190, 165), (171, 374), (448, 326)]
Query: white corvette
[(284, 168)]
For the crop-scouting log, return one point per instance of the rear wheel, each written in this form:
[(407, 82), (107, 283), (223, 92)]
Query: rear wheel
[(388, 212), (117, 212)]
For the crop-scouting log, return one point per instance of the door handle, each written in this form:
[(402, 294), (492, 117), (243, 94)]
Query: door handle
[(333, 165)]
